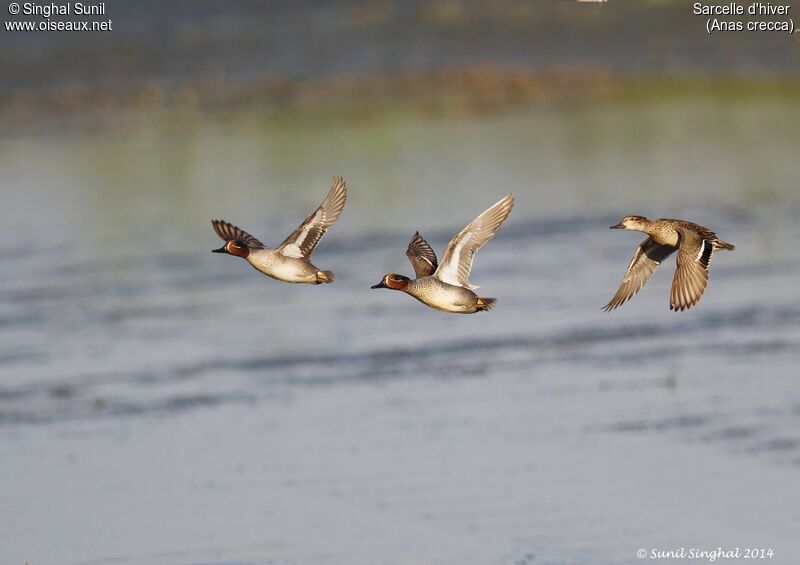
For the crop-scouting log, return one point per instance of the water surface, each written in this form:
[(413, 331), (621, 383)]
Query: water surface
[(160, 404)]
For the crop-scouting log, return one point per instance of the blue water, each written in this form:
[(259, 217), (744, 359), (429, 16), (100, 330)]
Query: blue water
[(161, 404)]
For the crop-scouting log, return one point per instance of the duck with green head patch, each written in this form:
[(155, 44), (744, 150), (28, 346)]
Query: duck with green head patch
[(290, 261), (446, 286)]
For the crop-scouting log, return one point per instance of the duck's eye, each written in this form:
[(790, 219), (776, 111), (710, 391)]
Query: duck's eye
[(395, 278)]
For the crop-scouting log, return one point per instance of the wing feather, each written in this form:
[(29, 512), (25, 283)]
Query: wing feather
[(648, 256), (422, 256), (457, 261), (229, 232), (303, 240), (691, 275)]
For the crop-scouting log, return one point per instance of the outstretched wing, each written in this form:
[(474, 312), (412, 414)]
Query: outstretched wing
[(691, 276), (229, 232), (422, 256), (302, 241), (457, 261), (648, 256)]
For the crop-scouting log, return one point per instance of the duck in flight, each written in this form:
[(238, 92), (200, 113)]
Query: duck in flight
[(446, 286), (695, 245), (290, 261)]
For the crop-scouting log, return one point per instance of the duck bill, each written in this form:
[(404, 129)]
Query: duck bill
[(220, 250), (379, 285), (618, 227)]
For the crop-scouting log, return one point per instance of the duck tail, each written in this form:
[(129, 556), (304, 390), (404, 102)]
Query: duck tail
[(325, 277), (724, 245), (485, 304)]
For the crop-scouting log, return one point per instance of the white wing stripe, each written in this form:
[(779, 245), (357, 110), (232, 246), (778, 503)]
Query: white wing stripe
[(450, 272), (460, 254), (304, 239), (294, 249)]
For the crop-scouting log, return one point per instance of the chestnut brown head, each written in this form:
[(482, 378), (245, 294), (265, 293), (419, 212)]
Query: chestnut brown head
[(234, 247), (393, 281)]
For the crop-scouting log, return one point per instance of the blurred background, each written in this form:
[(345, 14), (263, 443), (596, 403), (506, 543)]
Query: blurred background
[(160, 404)]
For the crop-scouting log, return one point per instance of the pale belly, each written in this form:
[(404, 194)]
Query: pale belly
[(282, 268), (445, 297)]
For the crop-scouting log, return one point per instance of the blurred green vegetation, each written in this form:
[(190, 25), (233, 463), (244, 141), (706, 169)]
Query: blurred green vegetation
[(185, 60)]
